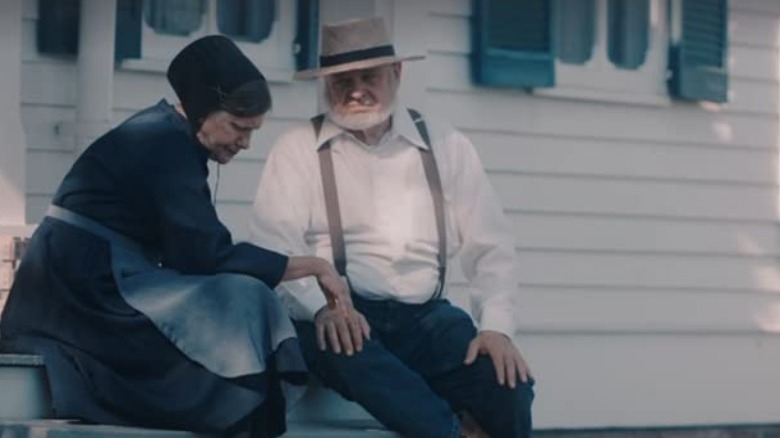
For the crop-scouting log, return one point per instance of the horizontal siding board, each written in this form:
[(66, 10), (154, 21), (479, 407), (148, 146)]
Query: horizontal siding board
[(584, 195), (134, 90), (35, 207), (590, 233), (630, 159), (236, 216), (767, 8), (749, 28), (749, 95), (450, 7), (655, 380), (41, 127), (518, 113), (238, 180), (449, 34), (45, 170), (646, 311), (753, 62), (50, 82), (591, 269)]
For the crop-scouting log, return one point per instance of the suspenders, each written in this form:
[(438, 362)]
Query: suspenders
[(332, 200)]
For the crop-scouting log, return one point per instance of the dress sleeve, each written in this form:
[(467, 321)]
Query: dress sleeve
[(193, 240)]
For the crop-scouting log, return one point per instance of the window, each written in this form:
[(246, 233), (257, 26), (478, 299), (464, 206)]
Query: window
[(249, 20), (612, 50)]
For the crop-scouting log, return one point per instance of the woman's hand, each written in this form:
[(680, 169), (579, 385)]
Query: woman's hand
[(334, 288), (339, 321)]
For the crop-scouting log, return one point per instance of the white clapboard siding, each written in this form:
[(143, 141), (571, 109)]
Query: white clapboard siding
[(626, 269), (572, 155), (44, 127), (134, 90), (539, 192), (562, 231), (653, 380), (516, 112), (637, 311), (45, 170)]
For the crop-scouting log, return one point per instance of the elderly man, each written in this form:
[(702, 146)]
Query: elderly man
[(392, 195)]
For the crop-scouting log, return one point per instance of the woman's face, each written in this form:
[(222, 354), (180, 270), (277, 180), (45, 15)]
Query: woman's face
[(225, 135)]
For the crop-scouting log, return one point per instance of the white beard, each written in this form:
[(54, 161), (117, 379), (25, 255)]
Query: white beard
[(361, 121)]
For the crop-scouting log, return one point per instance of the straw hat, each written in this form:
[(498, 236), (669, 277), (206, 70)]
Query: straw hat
[(353, 45)]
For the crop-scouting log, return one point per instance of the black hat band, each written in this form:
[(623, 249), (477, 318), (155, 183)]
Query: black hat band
[(356, 55)]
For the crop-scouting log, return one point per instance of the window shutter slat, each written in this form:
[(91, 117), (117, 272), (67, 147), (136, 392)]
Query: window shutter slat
[(512, 43), (698, 60)]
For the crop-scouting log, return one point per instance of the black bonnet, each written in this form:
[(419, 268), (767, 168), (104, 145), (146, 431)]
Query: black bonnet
[(207, 71)]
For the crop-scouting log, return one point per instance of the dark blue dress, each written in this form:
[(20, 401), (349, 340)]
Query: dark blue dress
[(185, 333)]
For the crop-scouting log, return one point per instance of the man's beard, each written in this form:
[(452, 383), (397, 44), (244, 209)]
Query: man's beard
[(361, 121)]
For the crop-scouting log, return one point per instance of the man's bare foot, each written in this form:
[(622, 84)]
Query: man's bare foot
[(469, 427)]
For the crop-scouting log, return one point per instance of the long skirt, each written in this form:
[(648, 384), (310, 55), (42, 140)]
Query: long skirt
[(127, 342)]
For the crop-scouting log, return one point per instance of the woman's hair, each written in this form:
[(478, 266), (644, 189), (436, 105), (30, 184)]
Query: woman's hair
[(250, 99)]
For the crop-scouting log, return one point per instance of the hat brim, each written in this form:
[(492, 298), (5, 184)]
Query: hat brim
[(355, 65)]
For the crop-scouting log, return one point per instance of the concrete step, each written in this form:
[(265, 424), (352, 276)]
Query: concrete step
[(25, 406), (66, 429)]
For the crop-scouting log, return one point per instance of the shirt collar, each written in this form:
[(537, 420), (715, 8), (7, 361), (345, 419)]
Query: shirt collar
[(403, 126)]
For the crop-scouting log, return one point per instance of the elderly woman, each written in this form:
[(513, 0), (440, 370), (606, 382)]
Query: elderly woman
[(146, 312)]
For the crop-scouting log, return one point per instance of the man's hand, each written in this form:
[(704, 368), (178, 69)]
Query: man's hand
[(344, 327), (506, 358)]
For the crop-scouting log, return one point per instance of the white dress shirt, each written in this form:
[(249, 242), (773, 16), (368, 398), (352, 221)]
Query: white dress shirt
[(388, 217)]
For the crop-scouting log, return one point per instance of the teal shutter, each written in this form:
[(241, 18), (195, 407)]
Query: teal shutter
[(175, 17), (512, 43), (57, 30), (628, 32), (575, 30), (307, 39), (249, 20), (127, 42), (698, 60)]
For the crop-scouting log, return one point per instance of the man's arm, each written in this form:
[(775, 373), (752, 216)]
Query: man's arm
[(489, 262)]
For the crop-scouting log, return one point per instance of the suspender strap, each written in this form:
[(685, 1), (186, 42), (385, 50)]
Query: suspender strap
[(437, 194), (332, 200)]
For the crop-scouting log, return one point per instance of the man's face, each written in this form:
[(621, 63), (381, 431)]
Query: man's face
[(361, 99), (224, 134)]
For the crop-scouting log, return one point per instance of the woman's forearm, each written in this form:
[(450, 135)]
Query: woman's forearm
[(304, 266)]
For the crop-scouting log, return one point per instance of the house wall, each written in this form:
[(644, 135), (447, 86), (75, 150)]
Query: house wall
[(647, 232)]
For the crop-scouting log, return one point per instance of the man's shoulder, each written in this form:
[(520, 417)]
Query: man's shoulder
[(299, 138)]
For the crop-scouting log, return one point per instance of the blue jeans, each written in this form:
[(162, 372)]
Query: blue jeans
[(410, 376)]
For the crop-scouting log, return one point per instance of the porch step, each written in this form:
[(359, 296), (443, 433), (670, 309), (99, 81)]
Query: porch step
[(25, 408), (66, 429)]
